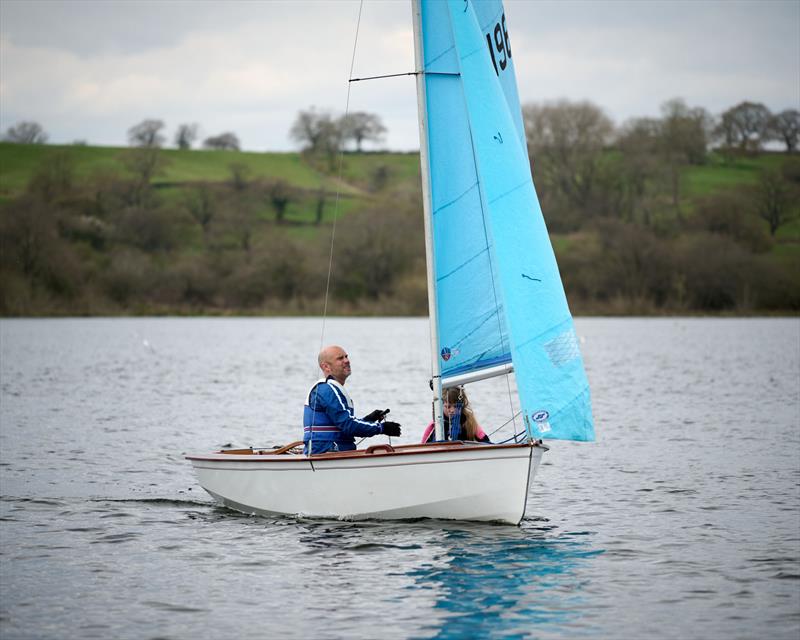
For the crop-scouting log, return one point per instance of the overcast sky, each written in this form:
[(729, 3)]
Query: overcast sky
[(89, 70)]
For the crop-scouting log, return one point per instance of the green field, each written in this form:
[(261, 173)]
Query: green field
[(19, 162), (718, 174)]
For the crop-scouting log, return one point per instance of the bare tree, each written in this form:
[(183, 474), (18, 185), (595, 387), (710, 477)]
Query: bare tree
[(240, 172), (638, 141), (725, 131), (280, 195), (773, 199), (223, 142), (379, 177), (146, 134), (26, 133), (685, 130), (566, 142), (785, 127), (54, 177), (744, 125), (186, 135), (202, 207), (144, 163), (361, 126), (318, 132), (320, 209), (683, 140), (309, 128), (28, 236)]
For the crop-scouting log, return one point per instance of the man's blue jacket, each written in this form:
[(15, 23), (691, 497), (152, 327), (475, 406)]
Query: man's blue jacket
[(329, 421)]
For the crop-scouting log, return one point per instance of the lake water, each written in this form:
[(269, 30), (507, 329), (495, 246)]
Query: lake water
[(681, 521)]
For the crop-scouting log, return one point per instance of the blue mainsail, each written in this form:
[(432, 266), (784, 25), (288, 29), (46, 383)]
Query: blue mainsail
[(499, 293)]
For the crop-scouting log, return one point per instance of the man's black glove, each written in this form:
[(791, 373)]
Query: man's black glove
[(391, 428), (376, 415)]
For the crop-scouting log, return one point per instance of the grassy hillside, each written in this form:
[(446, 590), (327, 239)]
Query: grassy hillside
[(19, 162), (720, 175), (84, 231)]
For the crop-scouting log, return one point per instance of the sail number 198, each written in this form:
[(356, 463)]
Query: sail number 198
[(499, 48)]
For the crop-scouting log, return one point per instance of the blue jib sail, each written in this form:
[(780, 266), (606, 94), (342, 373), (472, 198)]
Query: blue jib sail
[(499, 292)]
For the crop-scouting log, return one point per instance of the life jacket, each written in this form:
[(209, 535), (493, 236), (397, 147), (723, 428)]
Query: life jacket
[(317, 427), (429, 434)]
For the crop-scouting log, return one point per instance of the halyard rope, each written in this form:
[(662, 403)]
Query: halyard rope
[(339, 183), (333, 228)]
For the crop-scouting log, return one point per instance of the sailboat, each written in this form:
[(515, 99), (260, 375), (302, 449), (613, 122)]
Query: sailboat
[(496, 302)]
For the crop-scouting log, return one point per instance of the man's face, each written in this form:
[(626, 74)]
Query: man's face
[(338, 364)]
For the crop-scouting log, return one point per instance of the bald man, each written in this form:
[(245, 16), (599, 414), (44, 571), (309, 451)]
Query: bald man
[(329, 421)]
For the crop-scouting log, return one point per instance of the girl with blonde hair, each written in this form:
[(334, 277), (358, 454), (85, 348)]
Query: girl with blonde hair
[(459, 419)]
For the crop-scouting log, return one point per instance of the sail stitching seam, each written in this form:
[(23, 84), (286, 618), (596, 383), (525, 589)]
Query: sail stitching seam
[(521, 185), (472, 187), (463, 264)]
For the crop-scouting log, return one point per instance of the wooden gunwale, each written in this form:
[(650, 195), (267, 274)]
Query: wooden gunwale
[(399, 450)]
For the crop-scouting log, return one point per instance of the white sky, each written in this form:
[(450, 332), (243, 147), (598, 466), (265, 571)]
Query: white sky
[(90, 69)]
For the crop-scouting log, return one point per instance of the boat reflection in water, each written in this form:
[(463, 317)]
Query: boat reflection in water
[(492, 582), (457, 580)]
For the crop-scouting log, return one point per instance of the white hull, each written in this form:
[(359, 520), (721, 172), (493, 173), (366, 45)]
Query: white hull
[(453, 481)]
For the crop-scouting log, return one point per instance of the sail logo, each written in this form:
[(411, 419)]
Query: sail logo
[(541, 419), (446, 354), (497, 39)]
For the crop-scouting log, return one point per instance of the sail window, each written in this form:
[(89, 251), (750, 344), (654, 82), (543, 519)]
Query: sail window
[(563, 348)]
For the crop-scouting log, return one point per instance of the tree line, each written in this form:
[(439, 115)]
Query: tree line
[(630, 234), (639, 239), (745, 126), (585, 167), (316, 131)]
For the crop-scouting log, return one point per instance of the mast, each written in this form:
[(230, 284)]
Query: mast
[(436, 371)]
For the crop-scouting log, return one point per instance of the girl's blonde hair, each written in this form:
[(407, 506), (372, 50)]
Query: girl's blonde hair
[(457, 397)]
